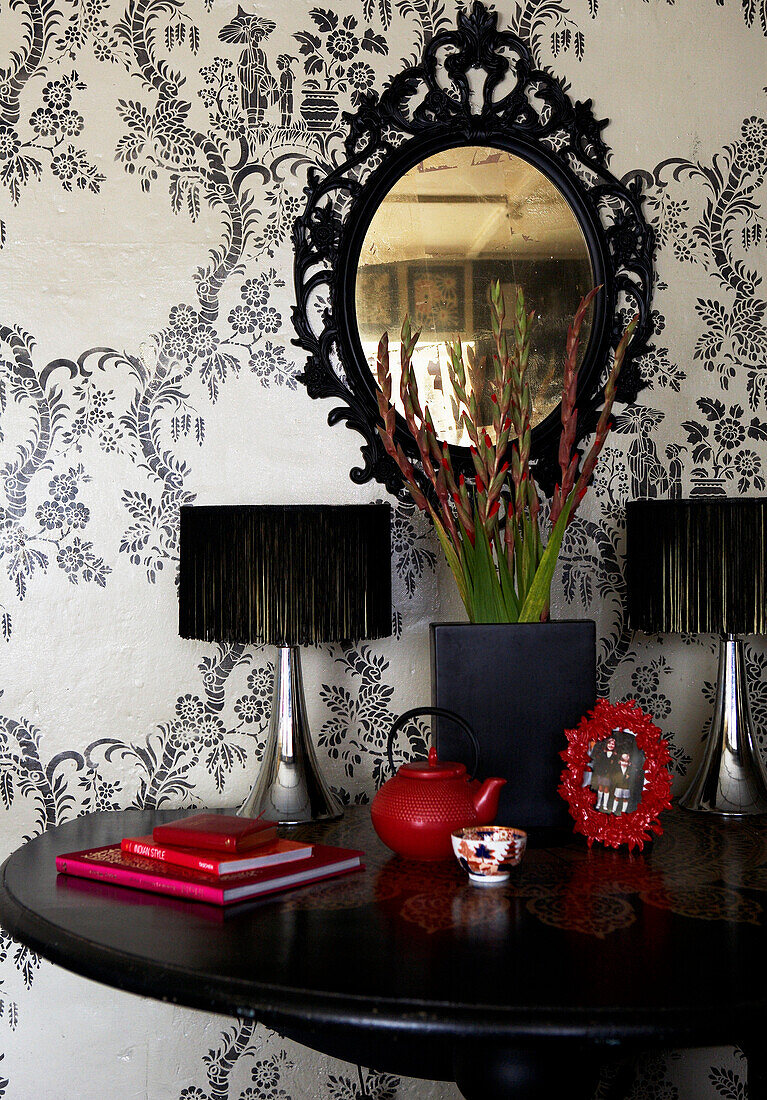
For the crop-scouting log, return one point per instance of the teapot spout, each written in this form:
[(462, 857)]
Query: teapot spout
[(486, 800)]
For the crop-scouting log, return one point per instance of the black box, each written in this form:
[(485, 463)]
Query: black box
[(520, 686)]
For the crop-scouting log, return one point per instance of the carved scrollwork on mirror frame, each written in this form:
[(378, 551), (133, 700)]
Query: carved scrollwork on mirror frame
[(471, 165)]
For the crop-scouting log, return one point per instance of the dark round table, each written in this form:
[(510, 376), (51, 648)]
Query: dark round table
[(521, 991)]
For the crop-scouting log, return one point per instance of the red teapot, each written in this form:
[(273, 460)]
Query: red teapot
[(415, 812)]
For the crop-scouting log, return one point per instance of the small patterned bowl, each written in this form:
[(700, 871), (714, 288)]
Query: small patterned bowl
[(488, 851)]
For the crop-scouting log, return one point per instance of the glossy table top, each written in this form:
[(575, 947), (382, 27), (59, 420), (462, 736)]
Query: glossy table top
[(670, 944)]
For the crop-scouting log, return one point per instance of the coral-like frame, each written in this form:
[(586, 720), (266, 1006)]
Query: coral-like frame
[(635, 828)]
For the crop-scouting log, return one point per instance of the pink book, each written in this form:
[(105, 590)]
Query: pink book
[(215, 863), (111, 864)]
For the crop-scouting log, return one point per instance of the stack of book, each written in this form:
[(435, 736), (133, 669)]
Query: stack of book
[(211, 857)]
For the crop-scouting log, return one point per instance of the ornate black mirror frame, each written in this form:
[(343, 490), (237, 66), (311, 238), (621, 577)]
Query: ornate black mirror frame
[(428, 108)]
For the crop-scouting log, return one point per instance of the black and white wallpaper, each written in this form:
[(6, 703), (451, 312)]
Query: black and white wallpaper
[(152, 159)]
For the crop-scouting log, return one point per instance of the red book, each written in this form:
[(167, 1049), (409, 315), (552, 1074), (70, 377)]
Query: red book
[(111, 864), (265, 855), (216, 832)]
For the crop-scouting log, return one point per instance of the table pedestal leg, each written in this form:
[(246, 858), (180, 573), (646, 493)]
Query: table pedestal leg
[(756, 1058), (489, 1072)]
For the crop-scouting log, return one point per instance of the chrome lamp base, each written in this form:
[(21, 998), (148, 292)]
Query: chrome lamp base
[(290, 789), (732, 780)]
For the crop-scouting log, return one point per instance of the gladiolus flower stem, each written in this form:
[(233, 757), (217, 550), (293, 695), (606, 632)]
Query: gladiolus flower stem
[(491, 533)]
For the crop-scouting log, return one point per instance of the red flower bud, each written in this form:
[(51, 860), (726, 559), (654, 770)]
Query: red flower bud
[(461, 480), (488, 440), (494, 399), (493, 509), (480, 484)]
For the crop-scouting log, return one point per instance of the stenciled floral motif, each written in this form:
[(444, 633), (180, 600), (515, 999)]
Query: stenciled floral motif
[(29, 543), (235, 1043), (657, 367), (369, 1085), (197, 735), (87, 24), (254, 322), (54, 124), (591, 569), (412, 546), (731, 1084), (718, 446), (266, 1076), (331, 53), (360, 720), (724, 240), (646, 690), (653, 1077), (533, 19), (645, 683)]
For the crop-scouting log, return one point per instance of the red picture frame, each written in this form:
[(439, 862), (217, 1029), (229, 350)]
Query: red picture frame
[(614, 824)]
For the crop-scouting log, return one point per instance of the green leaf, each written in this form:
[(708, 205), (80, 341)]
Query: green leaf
[(519, 579), (511, 604), (467, 565), (539, 592), (488, 599), (453, 561), (528, 554), (471, 567)]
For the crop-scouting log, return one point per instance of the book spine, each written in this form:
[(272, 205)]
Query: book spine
[(164, 855), (140, 880)]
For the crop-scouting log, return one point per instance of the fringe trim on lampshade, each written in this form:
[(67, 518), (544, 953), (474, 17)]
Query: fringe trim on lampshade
[(697, 566), (285, 574)]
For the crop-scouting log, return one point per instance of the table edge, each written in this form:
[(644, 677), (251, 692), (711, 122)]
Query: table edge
[(288, 1007)]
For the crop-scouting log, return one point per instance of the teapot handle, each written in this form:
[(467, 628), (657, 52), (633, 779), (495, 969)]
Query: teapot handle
[(416, 712)]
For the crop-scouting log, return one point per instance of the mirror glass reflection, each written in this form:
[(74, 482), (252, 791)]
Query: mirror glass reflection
[(451, 225)]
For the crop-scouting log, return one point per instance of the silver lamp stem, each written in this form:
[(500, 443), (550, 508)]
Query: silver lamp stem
[(732, 778), (290, 789)]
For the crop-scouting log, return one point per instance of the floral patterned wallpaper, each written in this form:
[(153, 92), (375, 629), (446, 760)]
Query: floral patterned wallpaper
[(152, 159)]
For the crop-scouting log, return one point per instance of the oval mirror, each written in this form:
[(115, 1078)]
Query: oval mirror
[(472, 164), (451, 225)]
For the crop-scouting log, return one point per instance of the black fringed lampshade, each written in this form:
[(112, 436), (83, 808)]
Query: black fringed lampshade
[(287, 575), (697, 566)]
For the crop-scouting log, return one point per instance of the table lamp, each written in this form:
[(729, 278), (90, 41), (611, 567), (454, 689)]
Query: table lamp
[(286, 575), (699, 566)]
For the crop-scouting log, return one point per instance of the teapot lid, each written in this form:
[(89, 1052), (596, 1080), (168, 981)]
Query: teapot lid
[(433, 768)]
